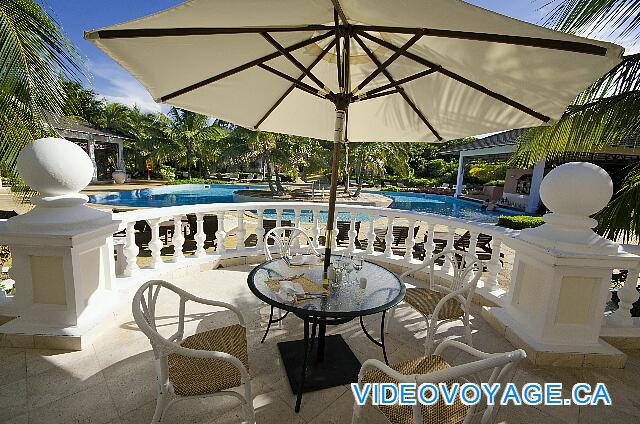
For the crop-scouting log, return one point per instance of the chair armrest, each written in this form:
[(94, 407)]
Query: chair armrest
[(463, 347), (211, 354), (370, 364), (217, 303)]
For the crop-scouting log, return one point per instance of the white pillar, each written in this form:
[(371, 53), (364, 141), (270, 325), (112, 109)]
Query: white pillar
[(91, 151), (460, 176), (561, 275), (62, 249), (120, 159), (534, 192)]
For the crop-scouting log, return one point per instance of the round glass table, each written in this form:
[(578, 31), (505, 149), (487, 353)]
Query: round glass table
[(333, 363)]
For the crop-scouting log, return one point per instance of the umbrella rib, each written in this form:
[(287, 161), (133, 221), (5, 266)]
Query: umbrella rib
[(298, 84), (369, 94), (292, 86), (378, 94), (338, 8), (382, 66), (404, 95), (295, 61), (545, 43), (338, 58), (106, 34), (243, 67), (460, 78)]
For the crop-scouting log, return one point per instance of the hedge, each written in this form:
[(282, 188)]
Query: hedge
[(519, 222)]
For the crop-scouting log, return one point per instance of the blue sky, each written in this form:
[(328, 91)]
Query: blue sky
[(111, 81)]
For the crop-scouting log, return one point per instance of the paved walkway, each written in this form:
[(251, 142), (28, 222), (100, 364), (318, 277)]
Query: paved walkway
[(112, 381)]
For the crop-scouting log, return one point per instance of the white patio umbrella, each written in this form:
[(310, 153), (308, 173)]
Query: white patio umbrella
[(357, 70)]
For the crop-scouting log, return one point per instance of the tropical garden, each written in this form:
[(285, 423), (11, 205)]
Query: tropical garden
[(41, 76)]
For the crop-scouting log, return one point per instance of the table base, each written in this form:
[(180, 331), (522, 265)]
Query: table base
[(340, 366)]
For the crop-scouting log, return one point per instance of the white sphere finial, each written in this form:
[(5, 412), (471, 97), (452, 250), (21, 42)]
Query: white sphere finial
[(54, 167), (58, 169), (573, 192), (576, 188)]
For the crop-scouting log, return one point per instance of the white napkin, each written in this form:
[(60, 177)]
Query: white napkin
[(288, 291), (303, 259)]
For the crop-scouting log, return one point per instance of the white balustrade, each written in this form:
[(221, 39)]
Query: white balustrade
[(297, 224), (200, 236), (278, 217), (315, 228), (177, 239), (155, 245), (131, 250), (371, 235), (411, 240), (352, 231), (260, 230), (388, 239), (451, 234), (429, 245), (240, 231), (494, 265), (220, 234), (628, 295)]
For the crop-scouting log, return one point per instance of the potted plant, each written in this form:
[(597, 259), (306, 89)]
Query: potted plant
[(119, 175)]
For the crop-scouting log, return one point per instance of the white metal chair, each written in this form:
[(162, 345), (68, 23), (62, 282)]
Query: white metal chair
[(448, 297), (434, 369), (208, 363), (288, 240)]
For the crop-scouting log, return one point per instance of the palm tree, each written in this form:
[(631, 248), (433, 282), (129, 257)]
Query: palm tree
[(189, 130), (375, 158), (35, 59), (606, 112)]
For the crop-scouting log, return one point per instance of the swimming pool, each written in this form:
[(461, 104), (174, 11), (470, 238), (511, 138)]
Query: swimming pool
[(191, 194)]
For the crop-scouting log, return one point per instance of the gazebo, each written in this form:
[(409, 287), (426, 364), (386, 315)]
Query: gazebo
[(91, 139), (501, 146)]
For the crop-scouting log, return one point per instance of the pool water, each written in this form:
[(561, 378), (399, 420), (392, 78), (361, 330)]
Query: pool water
[(191, 194)]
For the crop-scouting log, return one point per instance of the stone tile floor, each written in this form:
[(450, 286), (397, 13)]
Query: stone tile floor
[(111, 381)]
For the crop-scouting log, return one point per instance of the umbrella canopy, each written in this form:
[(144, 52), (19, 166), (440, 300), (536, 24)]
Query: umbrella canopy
[(259, 64), (408, 70)]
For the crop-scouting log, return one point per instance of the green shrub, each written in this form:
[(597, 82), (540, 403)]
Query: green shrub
[(391, 188), (168, 173), (519, 222), (498, 183)]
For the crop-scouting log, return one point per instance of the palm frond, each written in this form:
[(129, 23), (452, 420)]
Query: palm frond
[(583, 128), (623, 78), (589, 16), (621, 217)]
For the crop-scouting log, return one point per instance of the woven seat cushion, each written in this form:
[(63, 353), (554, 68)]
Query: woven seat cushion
[(197, 376), (438, 413), (425, 301)]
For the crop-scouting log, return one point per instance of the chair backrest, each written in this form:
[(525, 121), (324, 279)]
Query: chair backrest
[(143, 308), (466, 270), (285, 239), (500, 365)]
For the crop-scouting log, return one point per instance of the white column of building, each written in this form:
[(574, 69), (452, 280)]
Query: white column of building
[(460, 175), (91, 151), (120, 159), (534, 191)]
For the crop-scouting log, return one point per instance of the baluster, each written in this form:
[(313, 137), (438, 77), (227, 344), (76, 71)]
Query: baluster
[(178, 239), (473, 242), (295, 244), (628, 294), (352, 231), (411, 241), (240, 231), (200, 236), (388, 239), (220, 234), (429, 245), (315, 229), (260, 230), (371, 235), (447, 266), (155, 245), (494, 265), (131, 250), (279, 217)]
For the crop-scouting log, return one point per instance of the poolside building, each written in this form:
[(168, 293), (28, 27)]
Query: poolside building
[(521, 186)]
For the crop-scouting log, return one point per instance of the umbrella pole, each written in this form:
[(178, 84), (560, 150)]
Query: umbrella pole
[(337, 139)]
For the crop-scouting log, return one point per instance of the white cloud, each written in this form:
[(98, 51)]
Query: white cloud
[(114, 84)]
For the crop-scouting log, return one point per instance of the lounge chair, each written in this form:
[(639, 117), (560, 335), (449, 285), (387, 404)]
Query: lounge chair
[(210, 227), (250, 177), (400, 235), (343, 234)]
